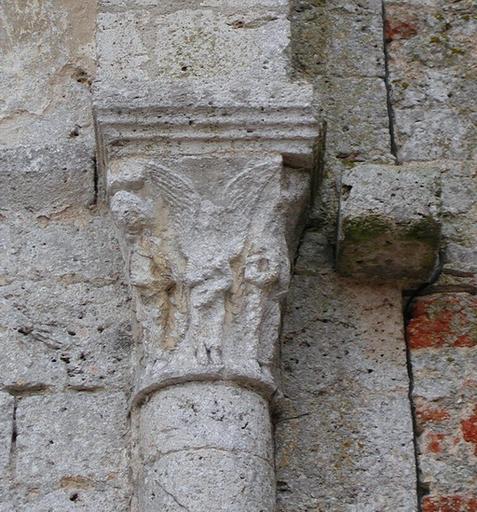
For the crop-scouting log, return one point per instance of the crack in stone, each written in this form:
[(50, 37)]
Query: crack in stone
[(173, 497), (12, 457), (387, 83), (201, 448), (420, 486)]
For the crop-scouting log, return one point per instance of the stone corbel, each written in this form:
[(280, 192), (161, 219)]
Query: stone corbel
[(206, 196), (390, 223)]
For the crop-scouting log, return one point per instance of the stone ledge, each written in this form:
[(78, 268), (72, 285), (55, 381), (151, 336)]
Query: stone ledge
[(389, 224)]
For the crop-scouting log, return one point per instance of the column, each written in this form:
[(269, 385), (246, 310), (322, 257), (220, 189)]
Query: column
[(205, 157)]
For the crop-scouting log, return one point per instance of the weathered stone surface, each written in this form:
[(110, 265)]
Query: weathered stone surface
[(389, 227), (75, 494), (201, 42), (195, 435), (47, 179), (76, 436), (333, 40), (6, 429), (459, 210), (442, 339), (431, 46), (73, 246), (197, 129), (80, 337), (211, 80), (47, 68), (344, 431), (442, 335), (231, 419), (357, 131)]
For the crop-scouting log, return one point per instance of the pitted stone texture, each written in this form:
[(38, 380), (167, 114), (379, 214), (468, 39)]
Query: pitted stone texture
[(71, 440), (47, 179), (357, 131), (389, 226), (202, 416), (58, 335), (431, 46), (196, 435), (76, 245), (209, 480), (459, 210), (75, 495), (198, 42), (344, 429), (342, 39), (47, 68)]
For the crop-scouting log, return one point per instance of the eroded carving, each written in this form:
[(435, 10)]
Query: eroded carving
[(207, 258)]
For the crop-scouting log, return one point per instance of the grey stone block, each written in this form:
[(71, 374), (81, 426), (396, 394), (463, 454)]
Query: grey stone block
[(389, 226), (57, 335), (79, 435)]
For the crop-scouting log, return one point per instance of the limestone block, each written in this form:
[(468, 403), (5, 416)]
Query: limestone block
[(73, 246), (57, 335), (47, 69), (344, 429), (47, 179), (389, 226), (333, 41), (79, 436), (200, 42), (435, 133), (358, 129), (431, 71)]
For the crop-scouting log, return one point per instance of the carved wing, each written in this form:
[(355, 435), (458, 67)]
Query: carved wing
[(245, 189), (178, 192)]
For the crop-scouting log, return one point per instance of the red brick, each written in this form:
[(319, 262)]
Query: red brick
[(469, 429), (449, 504), (447, 320), (427, 415)]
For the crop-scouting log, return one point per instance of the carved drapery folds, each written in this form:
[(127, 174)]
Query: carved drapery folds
[(207, 176)]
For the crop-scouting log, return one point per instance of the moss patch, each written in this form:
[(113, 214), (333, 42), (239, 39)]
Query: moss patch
[(362, 229), (426, 230)]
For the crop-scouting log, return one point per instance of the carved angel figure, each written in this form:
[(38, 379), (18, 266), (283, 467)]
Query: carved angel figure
[(210, 233)]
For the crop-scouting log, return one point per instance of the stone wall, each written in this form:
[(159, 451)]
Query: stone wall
[(364, 422), (65, 319), (432, 74)]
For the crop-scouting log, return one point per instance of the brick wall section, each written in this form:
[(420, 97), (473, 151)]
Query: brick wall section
[(432, 61)]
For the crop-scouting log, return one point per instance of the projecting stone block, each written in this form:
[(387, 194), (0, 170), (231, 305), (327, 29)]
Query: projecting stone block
[(389, 227)]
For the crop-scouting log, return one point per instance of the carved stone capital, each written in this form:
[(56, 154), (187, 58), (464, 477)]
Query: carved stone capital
[(205, 234)]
